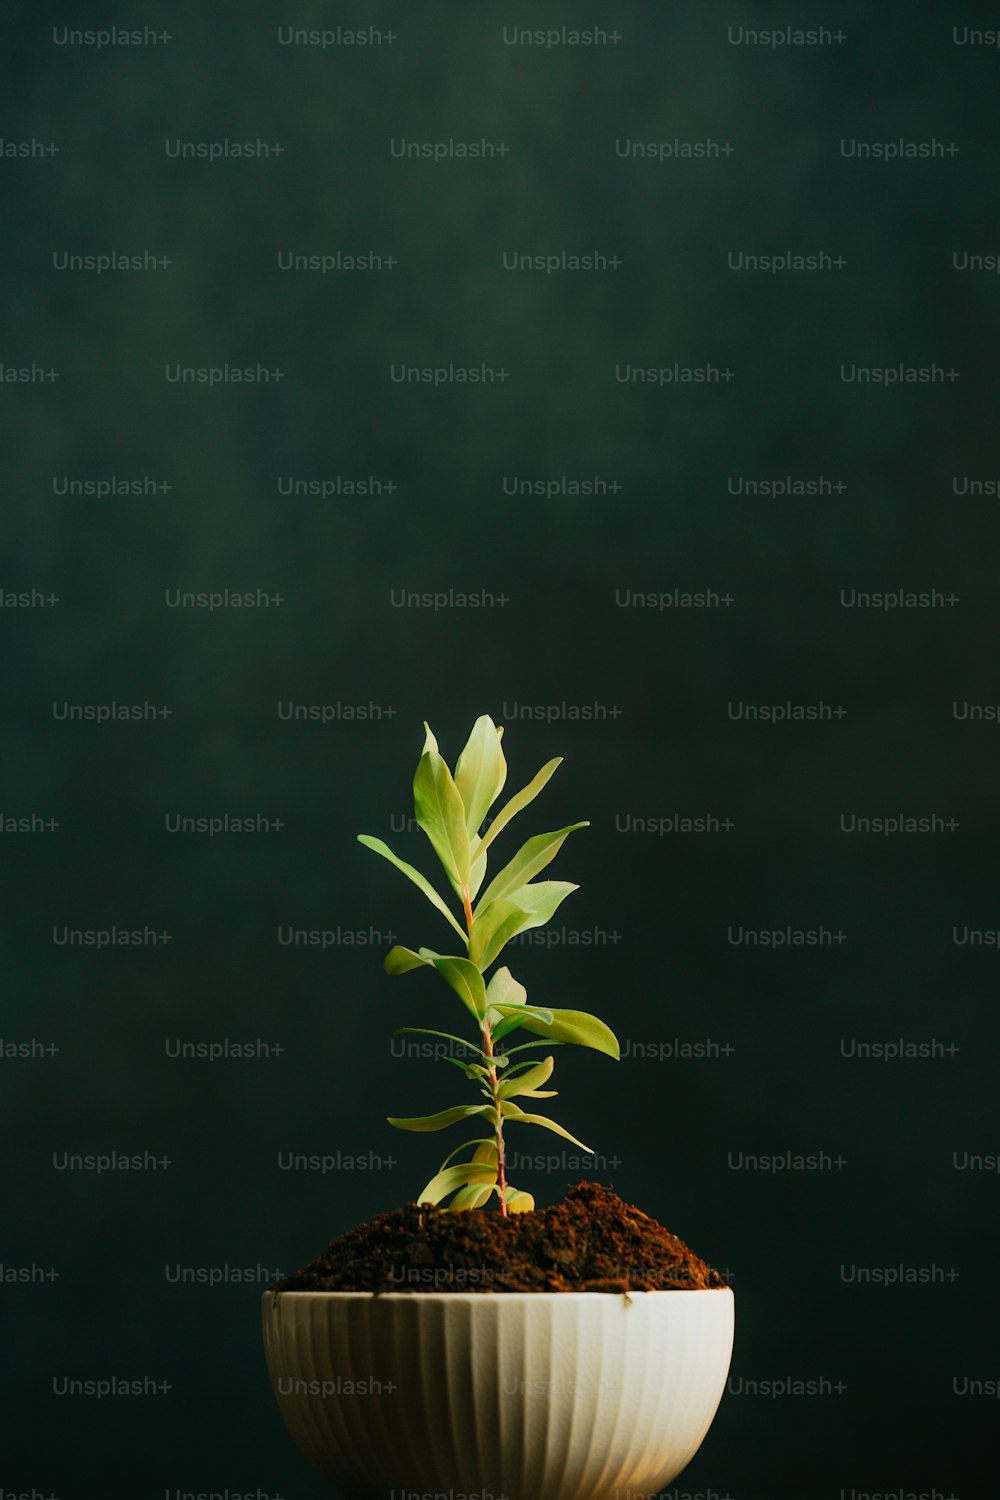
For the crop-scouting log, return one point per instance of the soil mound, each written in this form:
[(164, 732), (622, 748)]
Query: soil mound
[(591, 1242)]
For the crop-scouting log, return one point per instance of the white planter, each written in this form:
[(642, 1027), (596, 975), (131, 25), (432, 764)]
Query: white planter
[(531, 1396)]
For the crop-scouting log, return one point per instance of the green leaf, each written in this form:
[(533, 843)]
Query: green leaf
[(443, 1118), (518, 1202), (477, 1141), (503, 989), (492, 929), (539, 900), (520, 1067), (472, 1197), (497, 923), (520, 800), (514, 1113), (464, 978), (486, 1150), (513, 1016), (524, 1046), (418, 880), (471, 1070), (574, 1026), (528, 1082), (401, 960), (480, 772), (450, 1036), (527, 862), (443, 1183), (441, 813)]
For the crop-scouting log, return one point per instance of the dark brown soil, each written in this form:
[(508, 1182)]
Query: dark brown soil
[(591, 1242)]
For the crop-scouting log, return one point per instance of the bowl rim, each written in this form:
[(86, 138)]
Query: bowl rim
[(488, 1297)]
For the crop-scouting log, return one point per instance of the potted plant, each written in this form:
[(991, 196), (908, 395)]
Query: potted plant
[(536, 1354)]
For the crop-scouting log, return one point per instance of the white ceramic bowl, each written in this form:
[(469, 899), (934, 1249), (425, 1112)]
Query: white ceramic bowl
[(526, 1395)]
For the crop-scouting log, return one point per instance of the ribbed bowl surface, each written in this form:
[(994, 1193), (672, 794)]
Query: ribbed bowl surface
[(528, 1396)]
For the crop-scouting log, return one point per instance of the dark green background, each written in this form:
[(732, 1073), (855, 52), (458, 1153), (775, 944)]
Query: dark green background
[(669, 1126)]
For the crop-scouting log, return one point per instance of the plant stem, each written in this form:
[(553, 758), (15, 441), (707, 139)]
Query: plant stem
[(494, 1083)]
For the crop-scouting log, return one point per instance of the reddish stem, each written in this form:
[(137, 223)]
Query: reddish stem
[(494, 1084)]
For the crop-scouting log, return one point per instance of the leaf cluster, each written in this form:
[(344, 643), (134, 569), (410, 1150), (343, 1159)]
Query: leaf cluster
[(451, 809)]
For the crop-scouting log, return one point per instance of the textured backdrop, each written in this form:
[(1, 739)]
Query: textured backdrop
[(769, 615)]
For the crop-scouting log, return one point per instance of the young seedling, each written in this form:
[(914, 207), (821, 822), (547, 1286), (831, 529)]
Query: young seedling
[(451, 810)]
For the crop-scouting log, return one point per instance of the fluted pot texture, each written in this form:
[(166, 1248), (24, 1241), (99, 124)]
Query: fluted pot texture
[(529, 1396)]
